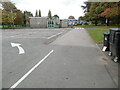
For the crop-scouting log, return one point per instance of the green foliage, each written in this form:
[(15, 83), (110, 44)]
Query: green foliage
[(71, 17), (80, 18), (56, 16), (19, 19), (93, 11), (86, 7), (99, 27), (8, 12), (0, 16), (26, 16), (49, 14), (8, 17), (36, 14), (8, 6), (97, 35), (12, 15), (39, 13)]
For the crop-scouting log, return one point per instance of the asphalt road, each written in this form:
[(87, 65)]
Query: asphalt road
[(54, 58)]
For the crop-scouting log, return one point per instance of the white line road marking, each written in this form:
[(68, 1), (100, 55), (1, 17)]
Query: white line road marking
[(79, 28), (23, 34), (12, 36), (21, 50), (30, 71), (54, 35)]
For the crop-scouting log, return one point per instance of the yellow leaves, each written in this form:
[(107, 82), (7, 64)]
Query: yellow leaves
[(0, 16), (8, 17)]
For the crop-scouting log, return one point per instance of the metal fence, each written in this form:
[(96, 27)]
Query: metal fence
[(11, 26)]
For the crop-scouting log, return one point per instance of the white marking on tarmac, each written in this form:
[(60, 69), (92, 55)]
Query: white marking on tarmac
[(12, 36), (30, 71), (21, 50), (79, 28), (54, 35)]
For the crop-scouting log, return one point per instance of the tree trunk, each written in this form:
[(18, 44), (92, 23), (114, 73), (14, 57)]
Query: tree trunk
[(107, 21), (96, 22)]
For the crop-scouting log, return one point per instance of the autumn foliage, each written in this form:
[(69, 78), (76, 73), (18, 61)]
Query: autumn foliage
[(110, 12)]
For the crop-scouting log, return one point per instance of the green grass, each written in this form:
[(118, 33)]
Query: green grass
[(97, 35), (97, 32), (102, 27)]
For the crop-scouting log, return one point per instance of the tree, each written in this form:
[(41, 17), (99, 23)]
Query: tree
[(8, 12), (111, 11), (86, 7), (49, 14), (5, 17), (0, 16), (26, 16), (93, 11), (80, 18), (36, 14), (19, 18), (39, 13), (12, 15), (8, 17), (71, 17), (8, 6), (56, 16)]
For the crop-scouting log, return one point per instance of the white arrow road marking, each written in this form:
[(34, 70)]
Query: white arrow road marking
[(21, 50), (31, 70)]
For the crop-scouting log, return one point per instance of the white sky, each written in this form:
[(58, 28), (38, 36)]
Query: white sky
[(64, 8)]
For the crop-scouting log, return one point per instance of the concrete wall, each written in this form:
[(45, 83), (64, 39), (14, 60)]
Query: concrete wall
[(38, 22), (42, 22)]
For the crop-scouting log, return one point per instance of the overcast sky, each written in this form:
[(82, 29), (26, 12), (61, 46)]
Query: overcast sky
[(64, 8)]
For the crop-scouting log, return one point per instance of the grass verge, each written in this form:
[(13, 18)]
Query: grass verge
[(99, 27), (97, 32), (97, 35)]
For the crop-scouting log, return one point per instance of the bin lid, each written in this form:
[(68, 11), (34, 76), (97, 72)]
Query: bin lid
[(107, 33), (115, 29)]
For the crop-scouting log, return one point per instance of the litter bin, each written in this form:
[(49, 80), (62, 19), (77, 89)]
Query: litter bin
[(114, 42), (106, 40)]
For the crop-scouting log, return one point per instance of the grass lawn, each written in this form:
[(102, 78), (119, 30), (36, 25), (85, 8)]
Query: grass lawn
[(97, 35), (102, 27), (97, 32)]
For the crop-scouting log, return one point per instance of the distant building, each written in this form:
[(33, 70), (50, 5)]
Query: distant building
[(38, 22), (83, 22), (45, 22), (54, 22), (63, 23), (72, 21)]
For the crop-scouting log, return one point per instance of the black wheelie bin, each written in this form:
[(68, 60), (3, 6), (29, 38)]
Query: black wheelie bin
[(114, 41), (106, 40)]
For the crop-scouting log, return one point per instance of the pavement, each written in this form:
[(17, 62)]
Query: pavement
[(54, 58), (112, 67)]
